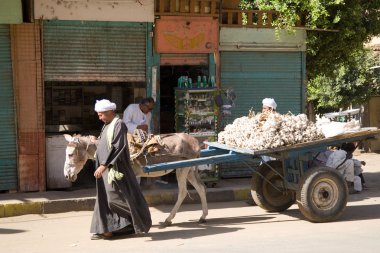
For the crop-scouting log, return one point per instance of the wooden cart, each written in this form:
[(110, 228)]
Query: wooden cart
[(320, 192)]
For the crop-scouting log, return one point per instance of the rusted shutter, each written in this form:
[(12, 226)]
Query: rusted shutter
[(8, 154), (94, 51)]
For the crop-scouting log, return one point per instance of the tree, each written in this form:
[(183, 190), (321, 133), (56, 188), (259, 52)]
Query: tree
[(337, 31), (348, 83)]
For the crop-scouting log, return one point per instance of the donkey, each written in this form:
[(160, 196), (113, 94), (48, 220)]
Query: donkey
[(177, 146)]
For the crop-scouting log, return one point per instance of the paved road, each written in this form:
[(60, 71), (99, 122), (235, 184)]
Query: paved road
[(231, 227)]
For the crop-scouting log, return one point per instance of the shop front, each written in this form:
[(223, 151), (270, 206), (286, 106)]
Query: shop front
[(84, 61), (187, 47)]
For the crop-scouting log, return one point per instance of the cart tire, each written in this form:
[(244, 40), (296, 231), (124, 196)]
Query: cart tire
[(322, 196), (265, 195)]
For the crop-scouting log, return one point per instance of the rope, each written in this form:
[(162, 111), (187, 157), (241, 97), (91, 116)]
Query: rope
[(134, 156)]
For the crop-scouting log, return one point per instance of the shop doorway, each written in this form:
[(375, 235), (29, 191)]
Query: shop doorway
[(69, 106), (69, 109), (168, 82)]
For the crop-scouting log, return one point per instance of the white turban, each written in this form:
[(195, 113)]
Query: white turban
[(270, 103), (104, 105)]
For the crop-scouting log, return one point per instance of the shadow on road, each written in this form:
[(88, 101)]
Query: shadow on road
[(213, 226), (372, 182), (364, 212), (252, 219), (190, 233), (351, 213), (7, 231)]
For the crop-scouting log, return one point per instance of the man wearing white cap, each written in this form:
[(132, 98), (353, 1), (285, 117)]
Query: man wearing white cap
[(269, 105), (120, 205)]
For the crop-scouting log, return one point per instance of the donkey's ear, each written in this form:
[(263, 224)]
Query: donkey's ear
[(68, 137)]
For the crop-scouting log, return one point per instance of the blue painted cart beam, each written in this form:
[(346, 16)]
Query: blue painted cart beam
[(231, 156), (210, 151)]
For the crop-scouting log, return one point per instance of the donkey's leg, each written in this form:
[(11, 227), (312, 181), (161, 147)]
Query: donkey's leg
[(199, 186), (182, 192)]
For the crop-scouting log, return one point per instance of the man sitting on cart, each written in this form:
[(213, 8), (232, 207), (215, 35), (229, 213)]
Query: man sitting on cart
[(269, 106), (342, 160)]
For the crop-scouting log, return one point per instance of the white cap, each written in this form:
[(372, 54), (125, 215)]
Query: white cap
[(104, 105), (270, 103)]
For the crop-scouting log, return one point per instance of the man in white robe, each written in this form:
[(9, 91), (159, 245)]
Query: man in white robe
[(138, 116), (120, 206), (338, 160)]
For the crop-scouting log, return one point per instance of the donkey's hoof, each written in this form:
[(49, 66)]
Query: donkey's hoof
[(165, 224), (202, 220)]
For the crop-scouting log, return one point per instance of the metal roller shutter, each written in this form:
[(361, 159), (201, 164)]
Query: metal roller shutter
[(8, 151), (257, 75), (94, 51)]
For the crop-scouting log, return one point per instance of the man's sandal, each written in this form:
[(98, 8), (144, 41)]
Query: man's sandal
[(104, 236)]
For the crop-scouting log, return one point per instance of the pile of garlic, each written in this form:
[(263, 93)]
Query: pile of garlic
[(269, 130)]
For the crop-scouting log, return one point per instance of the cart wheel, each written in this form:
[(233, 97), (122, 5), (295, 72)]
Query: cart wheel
[(322, 196), (265, 195)]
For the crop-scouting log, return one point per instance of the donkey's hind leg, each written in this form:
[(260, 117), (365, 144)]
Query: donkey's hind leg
[(199, 186), (182, 175)]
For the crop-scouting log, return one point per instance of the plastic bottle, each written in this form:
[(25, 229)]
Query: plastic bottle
[(212, 81), (199, 81), (204, 81), (186, 82), (181, 82)]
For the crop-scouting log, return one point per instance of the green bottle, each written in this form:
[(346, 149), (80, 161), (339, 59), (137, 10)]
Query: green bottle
[(199, 81), (204, 81)]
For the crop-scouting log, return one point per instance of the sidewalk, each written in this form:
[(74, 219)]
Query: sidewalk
[(13, 204)]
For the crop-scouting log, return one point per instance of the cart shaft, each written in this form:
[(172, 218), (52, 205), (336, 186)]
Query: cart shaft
[(212, 159)]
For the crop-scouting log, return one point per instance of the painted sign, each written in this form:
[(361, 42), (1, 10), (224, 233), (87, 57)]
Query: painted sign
[(186, 35)]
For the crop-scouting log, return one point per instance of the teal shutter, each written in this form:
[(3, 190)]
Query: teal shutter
[(94, 51), (257, 75), (8, 154)]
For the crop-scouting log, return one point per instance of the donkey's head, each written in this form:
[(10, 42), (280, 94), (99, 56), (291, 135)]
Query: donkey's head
[(79, 149)]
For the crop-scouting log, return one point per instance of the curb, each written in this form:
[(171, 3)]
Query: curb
[(153, 198)]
